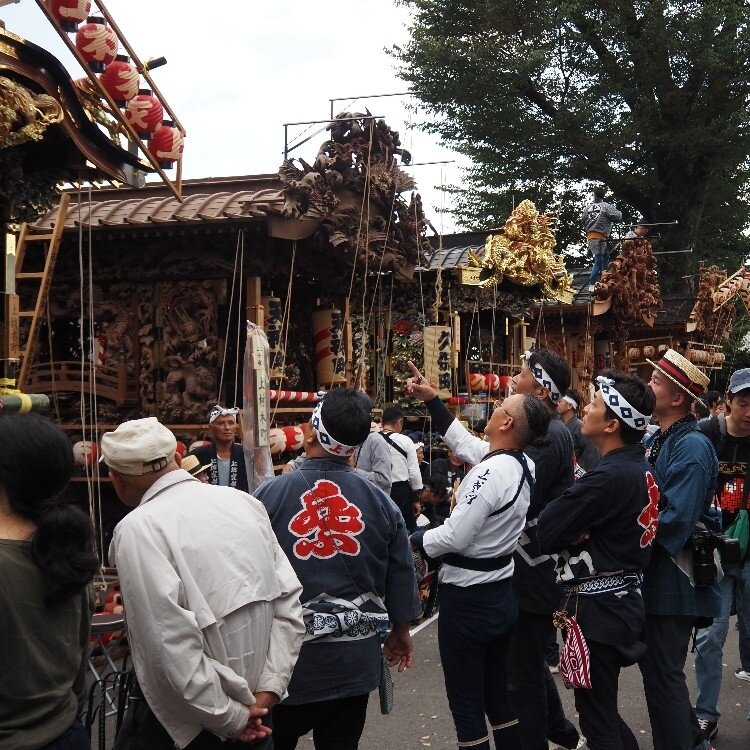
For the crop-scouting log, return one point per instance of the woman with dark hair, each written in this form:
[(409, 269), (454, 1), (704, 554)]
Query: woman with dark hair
[(46, 566)]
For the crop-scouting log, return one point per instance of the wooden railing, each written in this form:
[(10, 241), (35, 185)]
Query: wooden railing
[(109, 382)]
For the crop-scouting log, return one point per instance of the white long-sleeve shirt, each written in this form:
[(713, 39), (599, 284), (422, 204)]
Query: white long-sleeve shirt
[(404, 469), (212, 604), (471, 530)]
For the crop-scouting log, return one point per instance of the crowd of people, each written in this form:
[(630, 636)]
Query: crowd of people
[(255, 619)]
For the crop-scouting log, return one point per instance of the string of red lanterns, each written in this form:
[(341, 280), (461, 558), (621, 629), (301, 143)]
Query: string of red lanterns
[(98, 44)]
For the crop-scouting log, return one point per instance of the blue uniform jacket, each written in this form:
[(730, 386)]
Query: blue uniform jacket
[(686, 474), (347, 543)]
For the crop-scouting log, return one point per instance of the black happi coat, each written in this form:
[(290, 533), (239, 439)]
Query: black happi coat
[(237, 472), (617, 504)]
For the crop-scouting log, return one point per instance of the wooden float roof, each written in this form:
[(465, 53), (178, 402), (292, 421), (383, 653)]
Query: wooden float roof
[(210, 200)]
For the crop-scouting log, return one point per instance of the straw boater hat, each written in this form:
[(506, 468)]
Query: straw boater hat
[(682, 372), (192, 465)]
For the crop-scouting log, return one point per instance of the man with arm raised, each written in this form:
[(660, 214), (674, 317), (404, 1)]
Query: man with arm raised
[(546, 376)]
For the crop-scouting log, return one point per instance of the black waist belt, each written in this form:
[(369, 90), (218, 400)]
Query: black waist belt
[(477, 563)]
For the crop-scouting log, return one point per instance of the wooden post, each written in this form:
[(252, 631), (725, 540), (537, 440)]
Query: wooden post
[(255, 309)]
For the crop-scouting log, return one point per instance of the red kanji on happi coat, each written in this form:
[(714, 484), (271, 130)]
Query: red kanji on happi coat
[(649, 516), (328, 522)]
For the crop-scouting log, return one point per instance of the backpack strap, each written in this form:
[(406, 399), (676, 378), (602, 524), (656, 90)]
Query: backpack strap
[(398, 448), (525, 476), (715, 429)]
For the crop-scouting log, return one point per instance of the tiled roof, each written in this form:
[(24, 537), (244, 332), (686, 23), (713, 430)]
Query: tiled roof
[(139, 211), (452, 257)]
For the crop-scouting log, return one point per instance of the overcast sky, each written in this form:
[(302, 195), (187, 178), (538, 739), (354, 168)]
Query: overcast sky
[(238, 69)]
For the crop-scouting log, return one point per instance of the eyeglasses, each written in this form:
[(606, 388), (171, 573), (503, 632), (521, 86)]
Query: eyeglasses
[(498, 406)]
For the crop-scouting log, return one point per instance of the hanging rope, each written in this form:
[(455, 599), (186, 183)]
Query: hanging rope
[(285, 318), (492, 327), (52, 364), (385, 248), (588, 347), (382, 355), (454, 390), (240, 244), (89, 430), (94, 402), (365, 199), (82, 347), (240, 315)]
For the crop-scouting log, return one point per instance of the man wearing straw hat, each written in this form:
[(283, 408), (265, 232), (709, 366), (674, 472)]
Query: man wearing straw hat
[(193, 466), (685, 468)]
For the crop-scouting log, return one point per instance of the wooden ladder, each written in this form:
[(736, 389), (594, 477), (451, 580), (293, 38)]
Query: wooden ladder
[(27, 351)]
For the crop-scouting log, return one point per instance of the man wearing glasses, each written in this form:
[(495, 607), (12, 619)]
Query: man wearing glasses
[(545, 375)]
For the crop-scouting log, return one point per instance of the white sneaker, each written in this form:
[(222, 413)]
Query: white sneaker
[(742, 674), (591, 287), (709, 728)]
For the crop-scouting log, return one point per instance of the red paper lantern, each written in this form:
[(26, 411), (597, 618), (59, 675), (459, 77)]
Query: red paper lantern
[(70, 13), (294, 437), (166, 144), (477, 382), (85, 452), (144, 113), (120, 80), (97, 43), (492, 381)]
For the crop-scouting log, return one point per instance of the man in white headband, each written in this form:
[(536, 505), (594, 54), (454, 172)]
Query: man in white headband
[(347, 542), (545, 375), (586, 453), (372, 459), (225, 457), (601, 531)]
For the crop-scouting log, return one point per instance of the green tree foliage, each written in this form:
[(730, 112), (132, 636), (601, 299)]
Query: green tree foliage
[(546, 98)]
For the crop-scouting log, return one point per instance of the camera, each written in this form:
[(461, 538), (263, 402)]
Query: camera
[(705, 542)]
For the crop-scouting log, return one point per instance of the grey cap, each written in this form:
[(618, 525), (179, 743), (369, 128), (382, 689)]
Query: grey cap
[(740, 380)]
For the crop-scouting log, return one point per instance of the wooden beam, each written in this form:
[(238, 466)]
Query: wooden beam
[(255, 309)]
